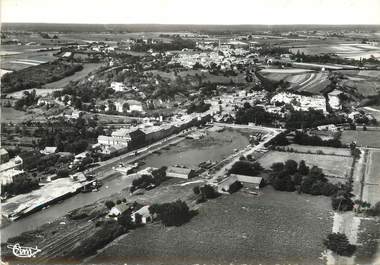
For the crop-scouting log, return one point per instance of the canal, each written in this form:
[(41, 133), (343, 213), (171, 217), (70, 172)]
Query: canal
[(214, 146)]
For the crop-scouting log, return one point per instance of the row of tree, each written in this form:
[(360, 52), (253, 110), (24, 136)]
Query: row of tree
[(291, 176), (314, 140)]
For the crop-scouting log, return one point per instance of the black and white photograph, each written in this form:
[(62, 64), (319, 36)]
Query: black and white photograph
[(190, 132)]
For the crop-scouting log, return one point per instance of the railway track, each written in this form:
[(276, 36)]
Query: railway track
[(59, 245)]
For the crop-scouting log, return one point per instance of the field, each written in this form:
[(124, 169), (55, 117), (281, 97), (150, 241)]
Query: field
[(368, 238), (37, 76), (20, 57), (87, 68), (12, 115), (364, 87), (273, 228), (299, 79), (344, 50), (371, 191), (318, 149), (362, 138), (331, 165)]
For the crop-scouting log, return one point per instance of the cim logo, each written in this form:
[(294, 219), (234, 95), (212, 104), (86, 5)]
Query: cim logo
[(23, 252)]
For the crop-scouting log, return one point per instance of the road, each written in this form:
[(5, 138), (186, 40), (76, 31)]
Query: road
[(246, 151)]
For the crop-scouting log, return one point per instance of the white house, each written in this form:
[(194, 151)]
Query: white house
[(112, 140), (146, 216), (118, 209), (135, 105), (118, 86), (49, 150), (328, 127)]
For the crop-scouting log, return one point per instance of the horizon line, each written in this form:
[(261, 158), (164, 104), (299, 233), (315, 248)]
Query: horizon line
[(189, 24)]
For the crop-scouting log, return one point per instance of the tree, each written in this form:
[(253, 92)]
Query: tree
[(283, 182), (125, 220), (159, 175), (277, 166), (316, 173), (125, 107), (209, 192), (63, 173), (342, 203), (339, 243), (196, 190), (246, 168), (138, 219), (109, 204), (291, 166), (302, 168), (356, 153), (173, 213)]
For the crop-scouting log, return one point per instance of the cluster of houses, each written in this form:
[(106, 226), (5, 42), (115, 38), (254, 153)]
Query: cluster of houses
[(10, 169), (225, 57), (300, 102), (125, 139)]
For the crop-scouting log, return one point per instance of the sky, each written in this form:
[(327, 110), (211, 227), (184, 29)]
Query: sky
[(192, 11)]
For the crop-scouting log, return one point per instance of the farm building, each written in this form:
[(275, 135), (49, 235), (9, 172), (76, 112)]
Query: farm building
[(4, 156), (49, 150), (11, 176), (179, 172), (118, 210), (145, 214), (224, 185), (328, 127), (79, 176)]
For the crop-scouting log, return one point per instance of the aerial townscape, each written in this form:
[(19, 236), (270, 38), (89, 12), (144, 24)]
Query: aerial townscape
[(190, 144)]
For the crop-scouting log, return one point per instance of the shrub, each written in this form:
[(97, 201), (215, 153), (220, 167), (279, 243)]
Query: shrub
[(209, 192), (339, 243)]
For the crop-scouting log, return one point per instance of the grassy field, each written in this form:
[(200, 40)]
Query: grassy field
[(275, 227), (371, 191), (299, 79), (331, 165), (87, 68), (362, 138), (368, 239), (37, 76), (345, 50), (367, 87), (318, 149), (20, 57)]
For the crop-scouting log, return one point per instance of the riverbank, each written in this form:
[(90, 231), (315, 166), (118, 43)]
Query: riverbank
[(114, 182)]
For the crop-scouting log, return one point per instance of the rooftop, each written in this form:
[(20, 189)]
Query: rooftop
[(179, 170)]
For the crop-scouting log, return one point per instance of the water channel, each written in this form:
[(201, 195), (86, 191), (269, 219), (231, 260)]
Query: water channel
[(214, 146)]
